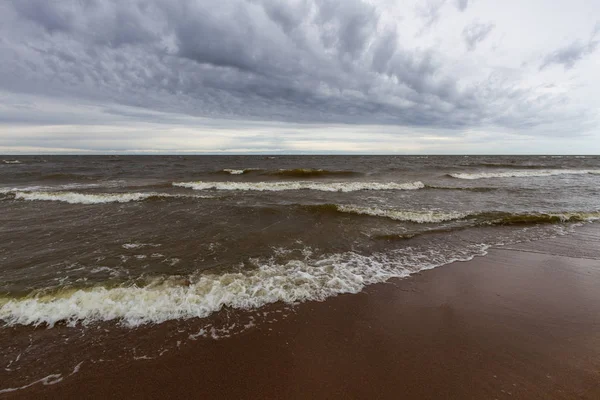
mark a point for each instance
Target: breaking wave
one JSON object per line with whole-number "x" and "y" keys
{"x": 198, "y": 296}
{"x": 481, "y": 218}
{"x": 420, "y": 217}
{"x": 501, "y": 218}
{"x": 504, "y": 165}
{"x": 95, "y": 198}
{"x": 300, "y": 185}
{"x": 11, "y": 162}
{"x": 240, "y": 171}
{"x": 521, "y": 174}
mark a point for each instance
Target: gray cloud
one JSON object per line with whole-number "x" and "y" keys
{"x": 475, "y": 33}
{"x": 461, "y": 4}
{"x": 574, "y": 52}
{"x": 302, "y": 61}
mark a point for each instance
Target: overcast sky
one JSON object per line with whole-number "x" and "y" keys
{"x": 300, "y": 76}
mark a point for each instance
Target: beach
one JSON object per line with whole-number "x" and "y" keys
{"x": 522, "y": 322}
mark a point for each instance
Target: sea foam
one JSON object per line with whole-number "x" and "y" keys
{"x": 524, "y": 173}
{"x": 402, "y": 215}
{"x": 198, "y": 296}
{"x": 93, "y": 198}
{"x": 300, "y": 185}
{"x": 240, "y": 171}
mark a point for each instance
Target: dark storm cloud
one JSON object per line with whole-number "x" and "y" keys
{"x": 574, "y": 52}
{"x": 476, "y": 32}
{"x": 306, "y": 61}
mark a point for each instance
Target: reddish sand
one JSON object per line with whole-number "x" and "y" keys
{"x": 520, "y": 323}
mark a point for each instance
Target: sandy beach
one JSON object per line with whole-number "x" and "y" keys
{"x": 522, "y": 322}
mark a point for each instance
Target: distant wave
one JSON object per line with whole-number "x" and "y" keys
{"x": 65, "y": 176}
{"x": 420, "y": 217}
{"x": 199, "y": 295}
{"x": 521, "y": 174}
{"x": 240, "y": 171}
{"x": 11, "y": 162}
{"x": 311, "y": 173}
{"x": 469, "y": 189}
{"x": 94, "y": 198}
{"x": 504, "y": 165}
{"x": 301, "y": 185}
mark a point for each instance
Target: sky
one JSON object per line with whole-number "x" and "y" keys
{"x": 300, "y": 76}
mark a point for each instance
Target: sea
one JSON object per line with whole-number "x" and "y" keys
{"x": 93, "y": 248}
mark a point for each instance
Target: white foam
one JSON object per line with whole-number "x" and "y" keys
{"x": 201, "y": 295}
{"x": 525, "y": 173}
{"x": 55, "y": 188}
{"x": 11, "y": 161}
{"x": 299, "y": 185}
{"x": 93, "y": 198}
{"x": 46, "y": 381}
{"x": 403, "y": 215}
{"x": 130, "y": 246}
{"x": 239, "y": 171}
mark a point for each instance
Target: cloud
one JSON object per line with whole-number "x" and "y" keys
{"x": 461, "y": 4}
{"x": 295, "y": 62}
{"x": 429, "y": 11}
{"x": 475, "y": 33}
{"x": 574, "y": 52}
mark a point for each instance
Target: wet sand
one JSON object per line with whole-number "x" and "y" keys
{"x": 521, "y": 323}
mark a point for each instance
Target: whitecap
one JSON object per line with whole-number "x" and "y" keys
{"x": 300, "y": 185}
{"x": 420, "y": 217}
{"x": 94, "y": 198}
{"x": 239, "y": 171}
{"x": 524, "y": 173}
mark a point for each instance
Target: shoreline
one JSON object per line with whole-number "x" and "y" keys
{"x": 521, "y": 322}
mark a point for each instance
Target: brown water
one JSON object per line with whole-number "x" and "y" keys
{"x": 111, "y": 244}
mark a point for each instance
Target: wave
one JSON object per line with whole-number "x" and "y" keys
{"x": 11, "y": 162}
{"x": 502, "y": 219}
{"x": 312, "y": 173}
{"x": 481, "y": 218}
{"x": 420, "y": 217}
{"x": 239, "y": 171}
{"x": 198, "y": 296}
{"x": 504, "y": 165}
{"x": 95, "y": 198}
{"x": 65, "y": 176}
{"x": 469, "y": 189}
{"x": 521, "y": 174}
{"x": 300, "y": 185}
